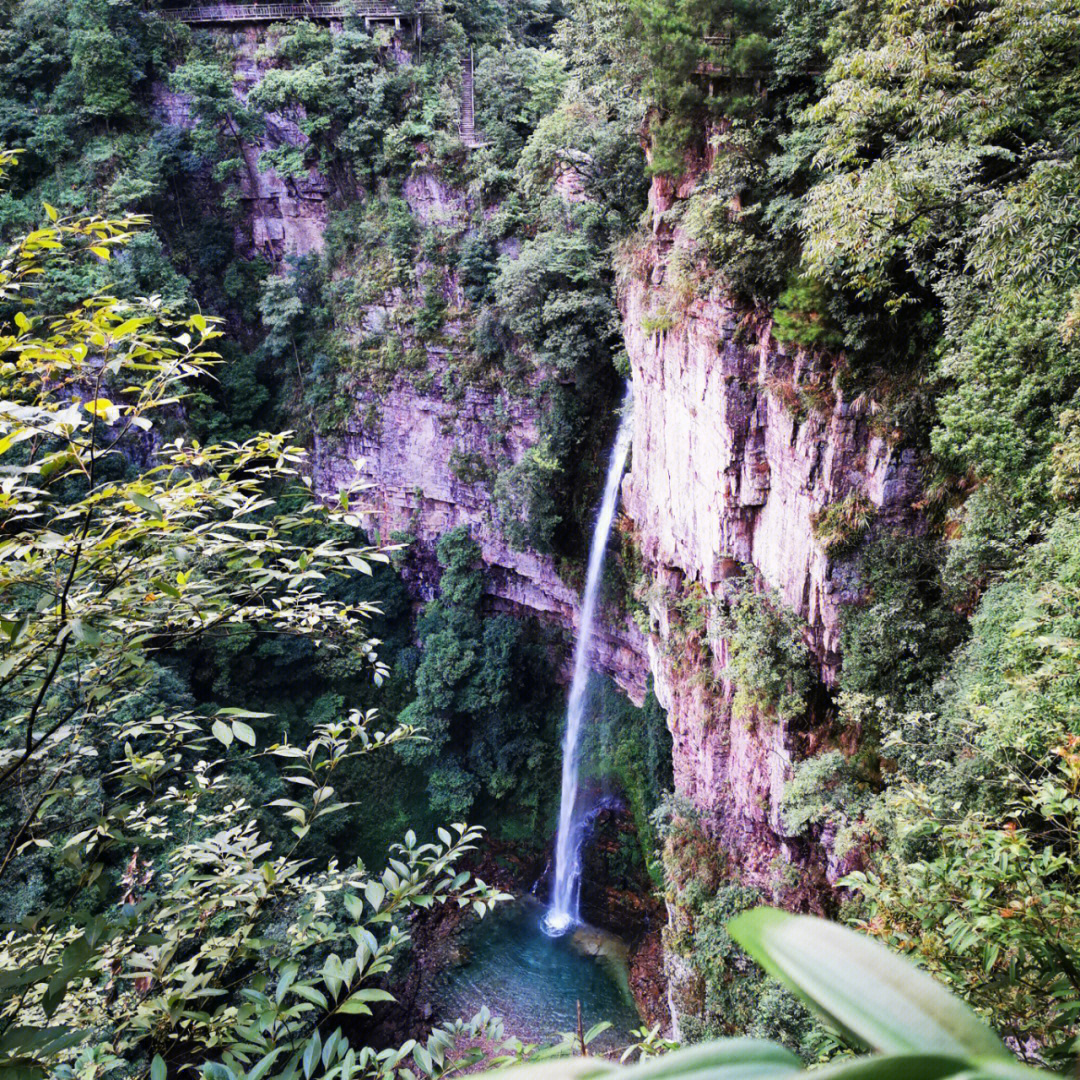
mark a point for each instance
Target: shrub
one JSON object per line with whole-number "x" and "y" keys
{"x": 768, "y": 661}
{"x": 801, "y": 316}
{"x": 897, "y": 638}
{"x": 840, "y": 526}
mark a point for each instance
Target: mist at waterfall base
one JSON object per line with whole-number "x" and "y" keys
{"x": 564, "y": 912}
{"x": 534, "y": 981}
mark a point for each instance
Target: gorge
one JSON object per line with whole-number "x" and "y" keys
{"x": 397, "y": 395}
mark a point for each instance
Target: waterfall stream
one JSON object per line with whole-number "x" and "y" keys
{"x": 563, "y": 912}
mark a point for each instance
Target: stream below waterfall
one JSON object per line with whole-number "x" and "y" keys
{"x": 534, "y": 981}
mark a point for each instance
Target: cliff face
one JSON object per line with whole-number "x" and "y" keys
{"x": 409, "y": 454}
{"x": 729, "y": 470}
{"x": 283, "y": 217}
{"x": 417, "y": 446}
{"x": 738, "y": 444}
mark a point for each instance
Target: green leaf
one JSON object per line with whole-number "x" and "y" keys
{"x": 423, "y": 1059}
{"x": 356, "y": 1003}
{"x": 263, "y": 1066}
{"x": 563, "y": 1069}
{"x": 151, "y": 507}
{"x": 285, "y": 980}
{"x": 222, "y": 732}
{"x": 53, "y": 463}
{"x": 895, "y": 1067}
{"x": 243, "y": 732}
{"x": 312, "y": 1054}
{"x": 871, "y": 995}
{"x": 738, "y": 1059}
{"x": 375, "y": 894}
{"x": 158, "y": 1069}
{"x": 596, "y": 1029}
{"x": 309, "y": 993}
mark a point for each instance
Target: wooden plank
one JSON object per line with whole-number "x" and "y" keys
{"x": 218, "y": 13}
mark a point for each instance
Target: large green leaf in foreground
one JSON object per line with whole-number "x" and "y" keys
{"x": 868, "y": 993}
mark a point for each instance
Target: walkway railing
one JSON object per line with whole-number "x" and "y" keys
{"x": 368, "y": 9}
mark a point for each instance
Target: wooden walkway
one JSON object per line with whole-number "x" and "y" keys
{"x": 371, "y": 10}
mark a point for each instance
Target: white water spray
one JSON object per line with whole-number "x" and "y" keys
{"x": 563, "y": 913}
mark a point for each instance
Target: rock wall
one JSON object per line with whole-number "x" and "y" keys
{"x": 738, "y": 445}
{"x": 283, "y": 216}
{"x": 407, "y": 454}
{"x": 729, "y": 469}
{"x": 407, "y": 439}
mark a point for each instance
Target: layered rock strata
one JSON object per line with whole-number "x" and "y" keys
{"x": 731, "y": 467}
{"x": 408, "y": 454}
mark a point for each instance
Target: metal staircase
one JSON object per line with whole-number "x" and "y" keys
{"x": 467, "y": 124}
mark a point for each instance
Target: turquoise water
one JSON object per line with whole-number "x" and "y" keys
{"x": 534, "y": 981}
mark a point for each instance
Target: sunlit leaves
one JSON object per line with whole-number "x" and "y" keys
{"x": 118, "y": 542}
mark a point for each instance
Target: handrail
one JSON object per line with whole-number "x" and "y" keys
{"x": 378, "y": 9}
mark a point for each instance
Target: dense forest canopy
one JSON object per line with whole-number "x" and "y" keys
{"x": 234, "y": 740}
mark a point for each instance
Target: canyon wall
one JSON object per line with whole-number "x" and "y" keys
{"x": 410, "y": 441}
{"x": 739, "y": 444}
{"x": 282, "y": 216}
{"x": 407, "y": 451}
{"x": 729, "y": 469}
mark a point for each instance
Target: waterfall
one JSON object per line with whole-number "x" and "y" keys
{"x": 563, "y": 913}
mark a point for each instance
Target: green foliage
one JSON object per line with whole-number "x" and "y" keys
{"x": 840, "y": 526}
{"x": 629, "y": 748}
{"x": 734, "y": 998}
{"x": 975, "y": 826}
{"x": 487, "y": 729}
{"x": 991, "y": 904}
{"x": 768, "y": 662}
{"x": 552, "y": 299}
{"x": 897, "y": 638}
{"x": 801, "y": 316}
{"x": 114, "y": 552}
{"x": 832, "y": 794}
{"x": 680, "y": 40}
{"x": 738, "y": 998}
{"x": 872, "y": 997}
{"x": 223, "y": 120}
{"x": 1011, "y": 374}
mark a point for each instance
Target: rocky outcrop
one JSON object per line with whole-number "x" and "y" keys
{"x": 738, "y": 445}
{"x": 284, "y": 216}
{"x": 422, "y": 456}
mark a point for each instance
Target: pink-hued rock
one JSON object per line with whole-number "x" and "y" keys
{"x": 285, "y": 216}
{"x": 722, "y": 471}
{"x": 724, "y": 476}
{"x": 407, "y": 455}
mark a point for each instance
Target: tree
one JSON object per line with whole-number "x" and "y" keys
{"x": 116, "y": 544}
{"x": 224, "y": 124}
{"x": 476, "y": 696}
